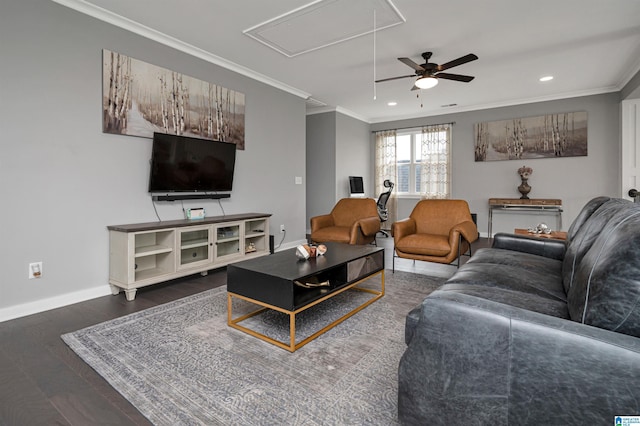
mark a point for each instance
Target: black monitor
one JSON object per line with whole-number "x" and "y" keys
{"x": 356, "y": 186}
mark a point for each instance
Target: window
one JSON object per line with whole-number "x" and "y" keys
{"x": 423, "y": 162}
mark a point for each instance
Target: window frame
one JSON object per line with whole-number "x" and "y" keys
{"x": 415, "y": 152}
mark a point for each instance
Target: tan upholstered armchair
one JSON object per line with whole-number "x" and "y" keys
{"x": 352, "y": 221}
{"x": 436, "y": 231}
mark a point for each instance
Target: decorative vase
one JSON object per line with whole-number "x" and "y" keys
{"x": 524, "y": 189}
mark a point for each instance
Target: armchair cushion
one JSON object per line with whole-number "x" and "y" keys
{"x": 425, "y": 244}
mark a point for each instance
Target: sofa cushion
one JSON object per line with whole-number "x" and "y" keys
{"x": 526, "y": 301}
{"x": 606, "y": 288}
{"x": 543, "y": 283}
{"x": 582, "y": 241}
{"x": 530, "y": 262}
{"x": 586, "y": 212}
{"x": 519, "y": 299}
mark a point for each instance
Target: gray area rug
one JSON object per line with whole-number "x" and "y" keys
{"x": 179, "y": 363}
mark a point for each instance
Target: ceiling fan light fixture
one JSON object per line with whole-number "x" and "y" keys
{"x": 426, "y": 82}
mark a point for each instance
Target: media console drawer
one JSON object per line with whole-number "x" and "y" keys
{"x": 360, "y": 268}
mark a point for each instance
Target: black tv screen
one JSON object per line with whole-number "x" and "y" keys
{"x": 185, "y": 164}
{"x": 356, "y": 185}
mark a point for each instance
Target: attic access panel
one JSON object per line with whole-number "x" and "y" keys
{"x": 323, "y": 23}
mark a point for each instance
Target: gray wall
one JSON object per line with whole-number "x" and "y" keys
{"x": 352, "y": 155}
{"x": 337, "y": 147}
{"x": 575, "y": 180}
{"x": 321, "y": 163}
{"x": 63, "y": 180}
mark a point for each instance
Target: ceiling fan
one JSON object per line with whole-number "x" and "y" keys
{"x": 429, "y": 73}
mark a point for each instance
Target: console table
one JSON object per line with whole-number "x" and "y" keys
{"x": 518, "y": 205}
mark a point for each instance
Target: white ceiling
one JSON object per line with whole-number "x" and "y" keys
{"x": 589, "y": 46}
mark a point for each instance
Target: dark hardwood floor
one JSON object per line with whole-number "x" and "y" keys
{"x": 43, "y": 382}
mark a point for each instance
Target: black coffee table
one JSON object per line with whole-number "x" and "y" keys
{"x": 270, "y": 282}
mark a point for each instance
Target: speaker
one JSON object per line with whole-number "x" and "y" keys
{"x": 271, "y": 244}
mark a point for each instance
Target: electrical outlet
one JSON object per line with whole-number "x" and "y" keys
{"x": 282, "y": 228}
{"x": 35, "y": 270}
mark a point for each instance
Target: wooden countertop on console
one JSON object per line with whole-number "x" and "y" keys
{"x": 525, "y": 202}
{"x": 150, "y": 226}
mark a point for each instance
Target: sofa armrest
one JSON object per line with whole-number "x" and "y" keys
{"x": 319, "y": 222}
{"x": 370, "y": 225}
{"x": 553, "y": 249}
{"x": 475, "y": 361}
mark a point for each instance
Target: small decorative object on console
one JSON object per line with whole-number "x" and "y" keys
{"x": 250, "y": 248}
{"x": 196, "y": 213}
{"x": 541, "y": 228}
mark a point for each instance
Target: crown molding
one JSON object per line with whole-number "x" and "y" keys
{"x": 109, "y": 17}
{"x": 339, "y": 109}
{"x": 446, "y": 111}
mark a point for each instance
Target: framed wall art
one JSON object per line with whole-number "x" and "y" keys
{"x": 139, "y": 99}
{"x": 545, "y": 136}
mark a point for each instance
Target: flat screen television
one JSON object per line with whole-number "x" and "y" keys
{"x": 185, "y": 164}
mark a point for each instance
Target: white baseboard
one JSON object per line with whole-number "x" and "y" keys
{"x": 290, "y": 245}
{"x": 38, "y": 306}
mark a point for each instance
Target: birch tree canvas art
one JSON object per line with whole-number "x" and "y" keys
{"x": 141, "y": 98}
{"x": 545, "y": 136}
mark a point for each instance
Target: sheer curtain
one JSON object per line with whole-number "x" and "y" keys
{"x": 386, "y": 169}
{"x": 435, "y": 163}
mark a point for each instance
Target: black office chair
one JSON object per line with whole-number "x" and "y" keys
{"x": 383, "y": 213}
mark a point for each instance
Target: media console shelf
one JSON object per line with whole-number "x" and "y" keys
{"x": 142, "y": 254}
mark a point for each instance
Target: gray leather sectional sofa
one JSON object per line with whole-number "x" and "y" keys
{"x": 532, "y": 331}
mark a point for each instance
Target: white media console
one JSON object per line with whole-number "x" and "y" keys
{"x": 142, "y": 254}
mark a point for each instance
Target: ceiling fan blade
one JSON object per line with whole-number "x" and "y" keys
{"x": 394, "y": 78}
{"x": 456, "y": 77}
{"x": 412, "y": 64}
{"x": 462, "y": 60}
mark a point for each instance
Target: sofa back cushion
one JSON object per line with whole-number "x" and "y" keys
{"x": 437, "y": 217}
{"x": 586, "y": 212}
{"x": 606, "y": 285}
{"x": 585, "y": 229}
{"x": 348, "y": 211}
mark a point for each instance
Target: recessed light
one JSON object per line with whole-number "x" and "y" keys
{"x": 546, "y": 78}
{"x": 392, "y": 103}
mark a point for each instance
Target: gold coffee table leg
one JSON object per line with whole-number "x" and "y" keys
{"x": 292, "y": 346}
